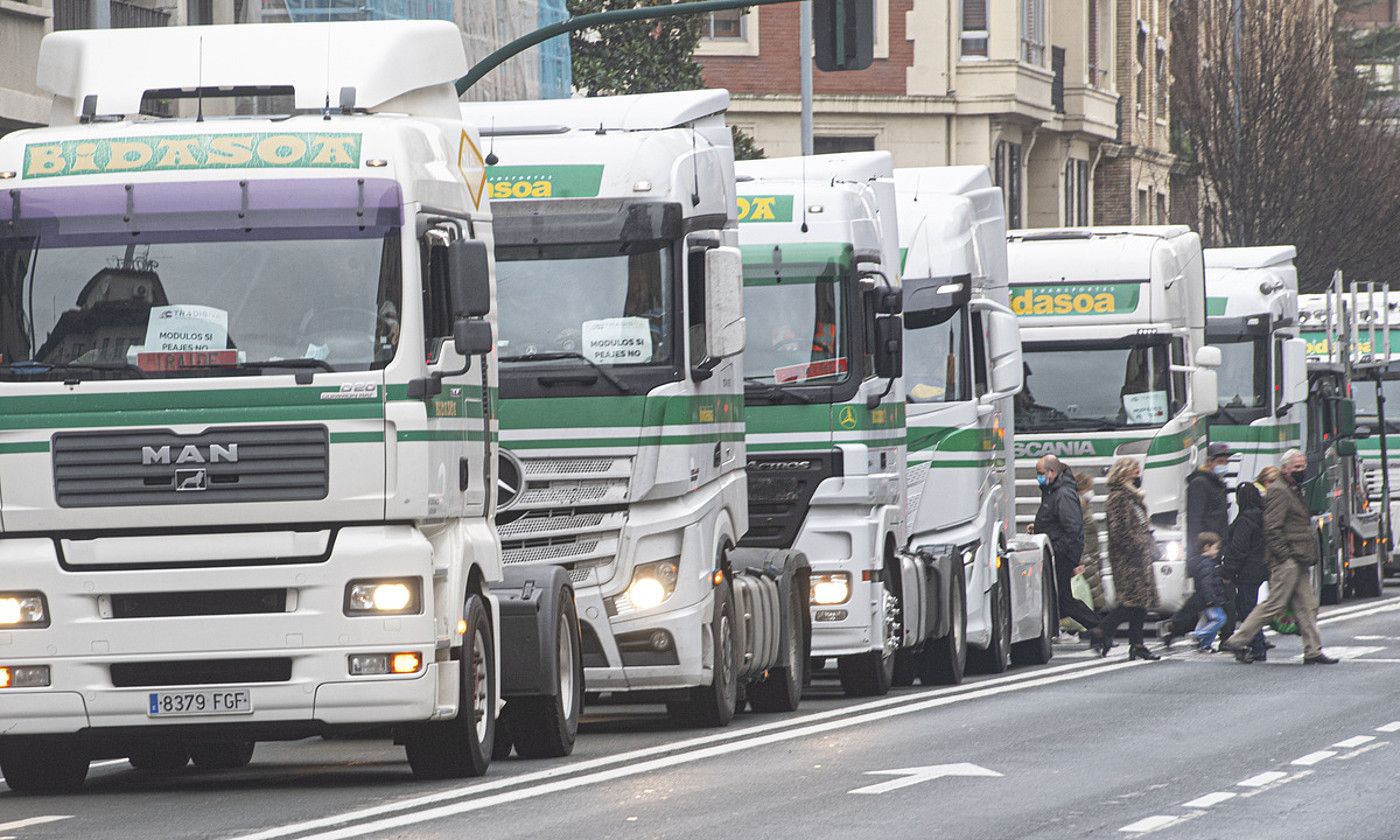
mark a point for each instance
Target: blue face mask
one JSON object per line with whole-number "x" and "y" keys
{"x": 1042, "y": 479}
{"x": 1220, "y": 470}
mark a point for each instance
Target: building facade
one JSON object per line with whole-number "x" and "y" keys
{"x": 1025, "y": 87}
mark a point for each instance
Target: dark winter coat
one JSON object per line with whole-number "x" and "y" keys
{"x": 1206, "y": 575}
{"x": 1061, "y": 519}
{"x": 1244, "y": 551}
{"x": 1207, "y": 507}
{"x": 1131, "y": 548}
{"x": 1092, "y": 558}
{"x": 1288, "y": 528}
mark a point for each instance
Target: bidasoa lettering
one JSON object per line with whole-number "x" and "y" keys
{"x": 302, "y": 150}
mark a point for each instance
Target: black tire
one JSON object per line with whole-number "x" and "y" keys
{"x": 504, "y": 742}
{"x": 167, "y": 757}
{"x": 1038, "y": 651}
{"x": 545, "y": 727}
{"x": 781, "y": 690}
{"x": 943, "y": 661}
{"x": 1367, "y": 582}
{"x": 44, "y": 767}
{"x": 712, "y": 705}
{"x": 1330, "y": 593}
{"x": 461, "y": 747}
{"x": 996, "y": 658}
{"x": 906, "y": 668}
{"x": 221, "y": 755}
{"x": 870, "y": 674}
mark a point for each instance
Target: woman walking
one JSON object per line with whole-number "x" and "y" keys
{"x": 1130, "y": 554}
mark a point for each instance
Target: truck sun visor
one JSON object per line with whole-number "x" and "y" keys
{"x": 257, "y": 208}
{"x": 583, "y": 221}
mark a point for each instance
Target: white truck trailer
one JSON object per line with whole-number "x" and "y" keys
{"x": 824, "y": 402}
{"x": 247, "y": 450}
{"x": 622, "y": 407}
{"x": 1113, "y": 330}
{"x": 1252, "y": 318}
{"x": 993, "y": 590}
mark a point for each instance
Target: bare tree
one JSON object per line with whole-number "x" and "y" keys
{"x": 1290, "y": 146}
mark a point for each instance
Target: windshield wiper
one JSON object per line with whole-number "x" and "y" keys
{"x": 1078, "y": 424}
{"x": 773, "y": 391}
{"x": 41, "y": 368}
{"x": 558, "y": 355}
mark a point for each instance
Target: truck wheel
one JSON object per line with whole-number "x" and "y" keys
{"x": 870, "y": 674}
{"x": 1330, "y": 593}
{"x": 943, "y": 661}
{"x": 781, "y": 690}
{"x": 906, "y": 668}
{"x": 461, "y": 747}
{"x": 44, "y": 767}
{"x": 713, "y": 705}
{"x": 1367, "y": 582}
{"x": 1038, "y": 651}
{"x": 161, "y": 757}
{"x": 503, "y": 742}
{"x": 221, "y": 755}
{"x": 997, "y": 656}
{"x": 545, "y": 727}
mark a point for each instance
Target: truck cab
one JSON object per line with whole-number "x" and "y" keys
{"x": 1113, "y": 335}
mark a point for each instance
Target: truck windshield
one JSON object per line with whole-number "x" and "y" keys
{"x": 1098, "y": 386}
{"x": 1364, "y": 392}
{"x": 206, "y": 303}
{"x": 796, "y": 330}
{"x": 611, "y": 308}
{"x": 1243, "y": 372}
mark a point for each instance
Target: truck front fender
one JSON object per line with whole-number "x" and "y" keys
{"x": 530, "y": 601}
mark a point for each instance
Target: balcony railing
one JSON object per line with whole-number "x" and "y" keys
{"x": 333, "y": 10}
{"x": 77, "y": 14}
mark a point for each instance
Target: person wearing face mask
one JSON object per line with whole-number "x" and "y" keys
{"x": 1290, "y": 550}
{"x": 1207, "y": 511}
{"x": 1061, "y": 518}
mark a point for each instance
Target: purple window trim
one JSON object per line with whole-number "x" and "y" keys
{"x": 281, "y": 208}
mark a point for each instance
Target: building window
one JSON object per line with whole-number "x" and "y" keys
{"x": 1033, "y": 32}
{"x": 1161, "y": 80}
{"x": 730, "y": 32}
{"x": 1161, "y": 208}
{"x": 1008, "y": 177}
{"x": 727, "y": 25}
{"x": 1098, "y": 75}
{"x": 1140, "y": 68}
{"x": 974, "y": 29}
{"x": 830, "y": 145}
{"x": 1076, "y": 193}
{"x": 1144, "y": 207}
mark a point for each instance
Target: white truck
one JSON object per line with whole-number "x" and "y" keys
{"x": 622, "y": 407}
{"x": 1113, "y": 334}
{"x": 1252, "y": 318}
{"x": 824, "y": 403}
{"x": 247, "y": 447}
{"x": 993, "y": 591}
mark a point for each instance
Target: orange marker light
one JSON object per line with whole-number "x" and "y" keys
{"x": 718, "y": 577}
{"x": 4, "y": 677}
{"x": 405, "y": 663}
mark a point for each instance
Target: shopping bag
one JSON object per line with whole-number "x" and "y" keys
{"x": 1287, "y": 624}
{"x": 1080, "y": 591}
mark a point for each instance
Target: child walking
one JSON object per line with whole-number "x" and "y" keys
{"x": 1206, "y": 574}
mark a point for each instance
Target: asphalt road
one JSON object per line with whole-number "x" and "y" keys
{"x": 1191, "y": 747}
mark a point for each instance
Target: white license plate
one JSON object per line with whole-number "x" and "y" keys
{"x": 208, "y": 701}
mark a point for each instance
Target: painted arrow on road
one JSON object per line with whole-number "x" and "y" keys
{"x": 915, "y": 775}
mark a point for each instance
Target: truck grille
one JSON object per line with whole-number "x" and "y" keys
{"x": 221, "y": 465}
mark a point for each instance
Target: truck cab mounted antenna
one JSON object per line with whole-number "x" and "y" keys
{"x": 694, "y": 169}
{"x": 199, "y": 85}
{"x": 491, "y": 159}
{"x": 804, "y": 194}
{"x": 326, "y": 111}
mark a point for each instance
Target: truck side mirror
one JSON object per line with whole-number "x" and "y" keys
{"x": 1346, "y": 448}
{"x": 1295, "y": 372}
{"x": 1208, "y": 357}
{"x": 1004, "y": 348}
{"x": 1205, "y": 394}
{"x": 724, "y": 302}
{"x": 472, "y": 338}
{"x": 889, "y": 346}
{"x": 1346, "y": 418}
{"x": 469, "y": 278}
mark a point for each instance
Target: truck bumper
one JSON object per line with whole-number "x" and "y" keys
{"x": 619, "y": 656}
{"x": 846, "y": 540}
{"x": 302, "y": 650}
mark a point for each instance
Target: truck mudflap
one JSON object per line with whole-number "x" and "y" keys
{"x": 764, "y": 580}
{"x": 530, "y": 600}
{"x": 926, "y": 576}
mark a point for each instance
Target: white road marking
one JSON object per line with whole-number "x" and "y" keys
{"x": 1314, "y": 757}
{"x": 1361, "y": 611}
{"x": 418, "y": 816}
{"x": 1150, "y": 824}
{"x": 1393, "y": 726}
{"x": 915, "y": 775}
{"x": 1352, "y": 651}
{"x": 33, "y": 821}
{"x": 1355, "y": 741}
{"x": 1210, "y": 799}
{"x": 1262, "y": 779}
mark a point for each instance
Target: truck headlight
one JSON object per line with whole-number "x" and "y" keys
{"x": 396, "y": 596}
{"x": 1172, "y": 552}
{"x": 831, "y": 588}
{"x": 23, "y": 609}
{"x": 652, "y": 584}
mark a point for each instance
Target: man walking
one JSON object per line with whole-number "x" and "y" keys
{"x": 1061, "y": 519}
{"x": 1207, "y": 512}
{"x": 1290, "y": 551}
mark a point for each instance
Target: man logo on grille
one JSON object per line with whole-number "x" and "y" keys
{"x": 510, "y": 480}
{"x": 186, "y": 480}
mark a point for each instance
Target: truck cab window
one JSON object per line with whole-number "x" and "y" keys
{"x": 935, "y": 355}
{"x": 979, "y": 356}
{"x": 437, "y": 317}
{"x": 695, "y": 305}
